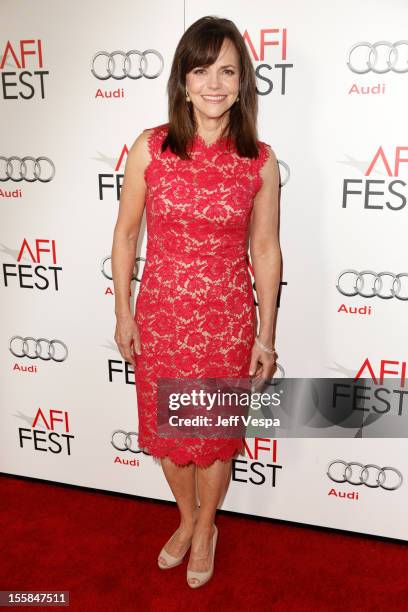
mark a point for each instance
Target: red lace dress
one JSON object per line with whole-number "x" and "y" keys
{"x": 195, "y": 307}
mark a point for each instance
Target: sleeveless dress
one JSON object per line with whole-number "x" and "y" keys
{"x": 195, "y": 307}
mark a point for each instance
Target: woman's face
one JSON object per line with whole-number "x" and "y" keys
{"x": 214, "y": 89}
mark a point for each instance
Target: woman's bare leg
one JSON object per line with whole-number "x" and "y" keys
{"x": 182, "y": 482}
{"x": 212, "y": 483}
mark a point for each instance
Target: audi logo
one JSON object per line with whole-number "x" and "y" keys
{"x": 282, "y": 182}
{"x": 108, "y": 273}
{"x": 140, "y": 63}
{"x": 375, "y": 287}
{"x": 126, "y": 441}
{"x": 18, "y": 172}
{"x": 19, "y": 347}
{"x": 366, "y": 472}
{"x": 390, "y": 57}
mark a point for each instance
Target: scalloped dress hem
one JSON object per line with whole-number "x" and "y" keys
{"x": 203, "y": 460}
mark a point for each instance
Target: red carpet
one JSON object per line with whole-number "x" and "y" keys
{"x": 103, "y": 548}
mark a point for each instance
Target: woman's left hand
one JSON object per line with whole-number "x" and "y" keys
{"x": 262, "y": 365}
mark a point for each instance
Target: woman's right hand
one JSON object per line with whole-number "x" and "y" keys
{"x": 127, "y": 338}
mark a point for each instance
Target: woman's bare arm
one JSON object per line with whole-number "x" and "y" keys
{"x": 125, "y": 237}
{"x": 265, "y": 248}
{"x": 127, "y": 228}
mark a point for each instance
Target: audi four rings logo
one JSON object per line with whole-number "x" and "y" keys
{"x": 126, "y": 440}
{"x": 389, "y": 57}
{"x": 41, "y": 348}
{"x": 14, "y": 171}
{"x": 108, "y": 273}
{"x": 282, "y": 182}
{"x": 134, "y": 64}
{"x": 380, "y": 475}
{"x": 375, "y": 286}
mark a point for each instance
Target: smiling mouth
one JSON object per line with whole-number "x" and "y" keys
{"x": 214, "y": 99}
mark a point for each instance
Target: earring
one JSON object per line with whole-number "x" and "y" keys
{"x": 187, "y": 97}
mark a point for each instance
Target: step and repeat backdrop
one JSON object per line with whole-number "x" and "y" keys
{"x": 77, "y": 88}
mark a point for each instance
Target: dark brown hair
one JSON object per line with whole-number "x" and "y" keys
{"x": 200, "y": 46}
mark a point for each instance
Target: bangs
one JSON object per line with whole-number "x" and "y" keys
{"x": 206, "y": 49}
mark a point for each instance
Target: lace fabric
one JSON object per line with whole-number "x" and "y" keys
{"x": 195, "y": 307}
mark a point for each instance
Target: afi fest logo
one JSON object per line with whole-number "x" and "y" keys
{"x": 261, "y": 465}
{"x": 112, "y": 181}
{"x": 42, "y": 273}
{"x": 368, "y": 393}
{"x": 378, "y": 194}
{"x": 22, "y": 73}
{"x": 270, "y": 54}
{"x": 49, "y": 432}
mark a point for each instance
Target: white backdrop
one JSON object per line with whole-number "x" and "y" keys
{"x": 326, "y": 124}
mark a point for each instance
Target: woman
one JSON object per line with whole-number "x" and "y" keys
{"x": 208, "y": 185}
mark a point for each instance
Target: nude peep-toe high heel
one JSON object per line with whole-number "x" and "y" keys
{"x": 203, "y": 577}
{"x": 170, "y": 560}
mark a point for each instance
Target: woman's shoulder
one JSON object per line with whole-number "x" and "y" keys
{"x": 153, "y": 137}
{"x": 148, "y": 141}
{"x": 160, "y": 129}
{"x": 265, "y": 152}
{"x": 264, "y": 146}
